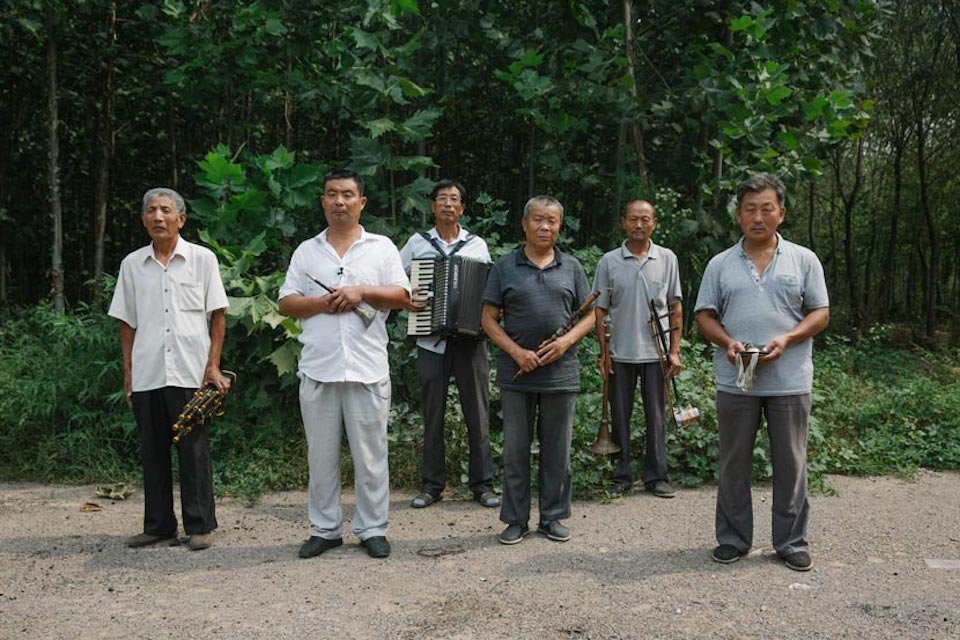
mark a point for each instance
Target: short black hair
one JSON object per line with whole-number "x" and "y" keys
{"x": 343, "y": 174}
{"x": 761, "y": 182}
{"x": 443, "y": 184}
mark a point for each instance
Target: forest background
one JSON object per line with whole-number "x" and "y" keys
{"x": 242, "y": 106}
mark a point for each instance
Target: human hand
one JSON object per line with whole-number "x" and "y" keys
{"x": 673, "y": 365}
{"x": 345, "y": 298}
{"x": 214, "y": 375}
{"x": 775, "y": 348}
{"x": 526, "y": 359}
{"x": 733, "y": 349}
{"x": 418, "y": 299}
{"x": 553, "y": 350}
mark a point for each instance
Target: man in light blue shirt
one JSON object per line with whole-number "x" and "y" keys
{"x": 768, "y": 294}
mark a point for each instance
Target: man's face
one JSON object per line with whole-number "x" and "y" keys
{"x": 542, "y": 226}
{"x": 342, "y": 202}
{"x": 760, "y": 214}
{"x": 639, "y": 221}
{"x": 161, "y": 218}
{"x": 447, "y": 205}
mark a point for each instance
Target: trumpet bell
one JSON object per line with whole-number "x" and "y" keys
{"x": 603, "y": 445}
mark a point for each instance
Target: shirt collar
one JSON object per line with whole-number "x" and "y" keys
{"x": 653, "y": 251}
{"x": 522, "y": 258}
{"x": 743, "y": 254}
{"x": 182, "y": 249}
{"x": 322, "y": 236}
{"x": 460, "y": 236}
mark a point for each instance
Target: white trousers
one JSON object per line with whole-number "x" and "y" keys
{"x": 329, "y": 408}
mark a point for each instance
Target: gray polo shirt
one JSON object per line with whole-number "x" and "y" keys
{"x": 755, "y": 308}
{"x": 536, "y": 303}
{"x": 633, "y": 282}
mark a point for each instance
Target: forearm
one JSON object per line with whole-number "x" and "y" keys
{"x": 581, "y": 329}
{"x": 489, "y": 320}
{"x": 218, "y": 330}
{"x": 812, "y": 324}
{"x": 297, "y": 306}
{"x": 127, "y": 334}
{"x": 676, "y": 327}
{"x": 712, "y": 330}
{"x": 386, "y": 296}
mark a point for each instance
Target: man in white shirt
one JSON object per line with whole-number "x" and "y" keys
{"x": 333, "y": 279}
{"x": 171, "y": 306}
{"x": 465, "y": 358}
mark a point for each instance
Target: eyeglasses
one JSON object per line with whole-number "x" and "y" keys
{"x": 446, "y": 198}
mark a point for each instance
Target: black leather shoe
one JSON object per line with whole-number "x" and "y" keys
{"x": 661, "y": 489}
{"x": 798, "y": 561}
{"x": 618, "y": 488}
{"x": 317, "y": 545}
{"x": 554, "y": 531}
{"x": 514, "y": 534}
{"x": 377, "y": 546}
{"x": 487, "y": 499}
{"x": 726, "y": 554}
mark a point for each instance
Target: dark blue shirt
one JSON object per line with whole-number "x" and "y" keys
{"x": 536, "y": 302}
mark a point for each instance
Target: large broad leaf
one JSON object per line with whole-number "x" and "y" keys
{"x": 380, "y": 126}
{"x": 420, "y": 124}
{"x": 284, "y": 358}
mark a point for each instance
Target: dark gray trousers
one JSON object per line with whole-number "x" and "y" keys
{"x": 550, "y": 417}
{"x": 623, "y": 384}
{"x": 467, "y": 361}
{"x": 738, "y": 419}
{"x": 155, "y": 412}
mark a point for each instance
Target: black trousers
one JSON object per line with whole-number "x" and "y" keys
{"x": 466, "y": 361}
{"x": 155, "y": 412}
{"x": 623, "y": 385}
{"x": 548, "y": 417}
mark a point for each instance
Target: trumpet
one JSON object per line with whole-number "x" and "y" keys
{"x": 604, "y": 445}
{"x": 207, "y": 402}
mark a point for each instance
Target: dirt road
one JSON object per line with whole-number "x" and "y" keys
{"x": 638, "y": 567}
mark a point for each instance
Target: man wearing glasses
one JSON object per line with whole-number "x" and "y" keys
{"x": 465, "y": 358}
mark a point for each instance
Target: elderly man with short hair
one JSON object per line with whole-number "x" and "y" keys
{"x": 761, "y": 302}
{"x": 536, "y": 290}
{"x": 171, "y": 304}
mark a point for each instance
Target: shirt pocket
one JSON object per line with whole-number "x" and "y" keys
{"x": 787, "y": 292}
{"x": 189, "y": 296}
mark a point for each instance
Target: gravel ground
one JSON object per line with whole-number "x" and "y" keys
{"x": 638, "y": 567}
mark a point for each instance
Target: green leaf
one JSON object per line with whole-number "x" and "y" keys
{"x": 399, "y": 7}
{"x": 284, "y": 358}
{"x": 365, "y": 40}
{"x": 814, "y": 109}
{"x": 380, "y": 126}
{"x": 741, "y": 24}
{"x": 778, "y": 94}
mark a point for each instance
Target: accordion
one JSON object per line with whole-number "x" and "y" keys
{"x": 454, "y": 289}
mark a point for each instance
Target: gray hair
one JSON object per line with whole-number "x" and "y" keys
{"x": 163, "y": 192}
{"x": 544, "y": 202}
{"x": 762, "y": 182}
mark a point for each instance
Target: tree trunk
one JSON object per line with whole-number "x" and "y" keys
{"x": 172, "y": 135}
{"x": 849, "y": 204}
{"x": 53, "y": 164}
{"x": 930, "y": 303}
{"x": 106, "y": 141}
{"x": 887, "y": 287}
{"x": 811, "y": 207}
{"x": 636, "y": 130}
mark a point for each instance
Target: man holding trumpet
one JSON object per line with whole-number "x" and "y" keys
{"x": 634, "y": 274}
{"x": 536, "y": 290}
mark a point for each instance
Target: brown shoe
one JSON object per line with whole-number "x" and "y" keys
{"x": 200, "y": 541}
{"x": 145, "y": 540}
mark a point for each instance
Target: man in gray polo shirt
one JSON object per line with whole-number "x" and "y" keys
{"x": 536, "y": 289}
{"x": 767, "y": 293}
{"x": 628, "y": 278}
